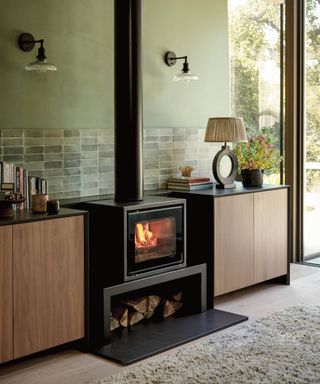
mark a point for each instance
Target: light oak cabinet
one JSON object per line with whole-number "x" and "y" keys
{"x": 270, "y": 228}
{"x": 250, "y": 239}
{"x": 233, "y": 243}
{"x": 45, "y": 270}
{"x": 6, "y": 294}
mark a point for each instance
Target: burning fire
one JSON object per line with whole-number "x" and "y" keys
{"x": 144, "y": 238}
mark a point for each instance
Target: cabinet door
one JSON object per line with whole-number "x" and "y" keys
{"x": 48, "y": 265}
{"x": 270, "y": 234}
{"x": 233, "y": 243}
{"x": 6, "y": 310}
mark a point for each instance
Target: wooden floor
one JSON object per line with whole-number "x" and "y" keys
{"x": 73, "y": 367}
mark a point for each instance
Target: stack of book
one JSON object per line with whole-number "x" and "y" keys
{"x": 189, "y": 183}
{"x": 22, "y": 182}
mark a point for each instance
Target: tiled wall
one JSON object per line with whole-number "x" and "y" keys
{"x": 80, "y": 162}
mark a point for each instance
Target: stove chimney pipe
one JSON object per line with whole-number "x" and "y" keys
{"x": 128, "y": 101}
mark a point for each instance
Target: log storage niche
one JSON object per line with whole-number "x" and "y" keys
{"x": 131, "y": 311}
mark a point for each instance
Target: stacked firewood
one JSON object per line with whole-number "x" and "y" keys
{"x": 134, "y": 310}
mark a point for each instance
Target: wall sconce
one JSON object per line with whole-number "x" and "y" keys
{"x": 170, "y": 59}
{"x": 26, "y": 43}
{"x": 225, "y": 129}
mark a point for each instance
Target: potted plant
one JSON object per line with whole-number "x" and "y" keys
{"x": 254, "y": 157}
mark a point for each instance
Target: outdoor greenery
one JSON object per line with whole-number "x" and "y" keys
{"x": 255, "y": 68}
{"x": 312, "y": 134}
{"x": 255, "y": 75}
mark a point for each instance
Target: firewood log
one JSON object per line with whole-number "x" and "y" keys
{"x": 138, "y": 304}
{"x": 152, "y": 302}
{"x": 177, "y": 305}
{"x": 120, "y": 313}
{"x": 168, "y": 308}
{"x": 135, "y": 317}
{"x": 143, "y": 304}
{"x": 177, "y": 296}
{"x": 114, "y": 323}
{"x": 148, "y": 315}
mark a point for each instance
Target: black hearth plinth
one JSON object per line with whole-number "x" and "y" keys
{"x": 146, "y": 340}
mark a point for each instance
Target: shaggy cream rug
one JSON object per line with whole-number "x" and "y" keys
{"x": 281, "y": 348}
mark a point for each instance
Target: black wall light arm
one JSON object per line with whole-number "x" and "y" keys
{"x": 171, "y": 58}
{"x": 27, "y": 42}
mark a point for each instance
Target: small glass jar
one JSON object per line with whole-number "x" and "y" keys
{"x": 39, "y": 203}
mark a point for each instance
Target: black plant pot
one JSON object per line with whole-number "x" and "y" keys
{"x": 252, "y": 178}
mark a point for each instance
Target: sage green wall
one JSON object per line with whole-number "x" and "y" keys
{"x": 78, "y": 38}
{"x": 198, "y": 29}
{"x": 79, "y": 41}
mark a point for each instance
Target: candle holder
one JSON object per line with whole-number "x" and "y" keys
{"x": 6, "y": 209}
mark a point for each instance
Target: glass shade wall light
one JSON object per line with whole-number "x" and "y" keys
{"x": 171, "y": 58}
{"x": 26, "y": 43}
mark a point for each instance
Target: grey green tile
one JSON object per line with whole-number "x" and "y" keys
{"x": 12, "y": 142}
{"x": 13, "y": 150}
{"x": 12, "y": 133}
{"x": 71, "y": 171}
{"x": 36, "y": 149}
{"x": 89, "y": 147}
{"x": 71, "y": 163}
{"x": 71, "y": 132}
{"x": 53, "y": 172}
{"x": 33, "y": 141}
{"x": 53, "y": 149}
{"x": 52, "y": 164}
{"x": 71, "y": 156}
{"x": 13, "y": 158}
{"x": 34, "y": 133}
{"x": 53, "y": 133}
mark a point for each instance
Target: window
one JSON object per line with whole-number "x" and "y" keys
{"x": 311, "y": 168}
{"x": 256, "y": 55}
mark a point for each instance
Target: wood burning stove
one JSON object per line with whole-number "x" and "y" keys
{"x": 131, "y": 241}
{"x": 155, "y": 240}
{"x": 147, "y": 237}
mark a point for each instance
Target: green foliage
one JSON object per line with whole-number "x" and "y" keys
{"x": 257, "y": 153}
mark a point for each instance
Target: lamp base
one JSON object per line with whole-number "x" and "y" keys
{"x": 226, "y": 186}
{"x": 222, "y": 181}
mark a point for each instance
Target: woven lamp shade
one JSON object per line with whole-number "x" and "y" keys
{"x": 225, "y": 129}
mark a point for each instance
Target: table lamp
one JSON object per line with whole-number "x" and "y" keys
{"x": 223, "y": 130}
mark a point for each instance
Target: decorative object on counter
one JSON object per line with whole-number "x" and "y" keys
{"x": 252, "y": 177}
{"x": 225, "y": 129}
{"x": 171, "y": 58}
{"x": 189, "y": 183}
{"x": 26, "y": 43}
{"x": 39, "y": 203}
{"x": 186, "y": 170}
{"x": 254, "y": 157}
{"x": 53, "y": 207}
{"x": 6, "y": 203}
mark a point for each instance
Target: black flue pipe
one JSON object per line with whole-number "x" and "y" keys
{"x": 128, "y": 101}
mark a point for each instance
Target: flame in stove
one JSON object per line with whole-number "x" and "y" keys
{"x": 144, "y": 238}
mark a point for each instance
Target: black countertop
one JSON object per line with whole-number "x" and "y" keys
{"x": 214, "y": 192}
{"x": 27, "y": 216}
